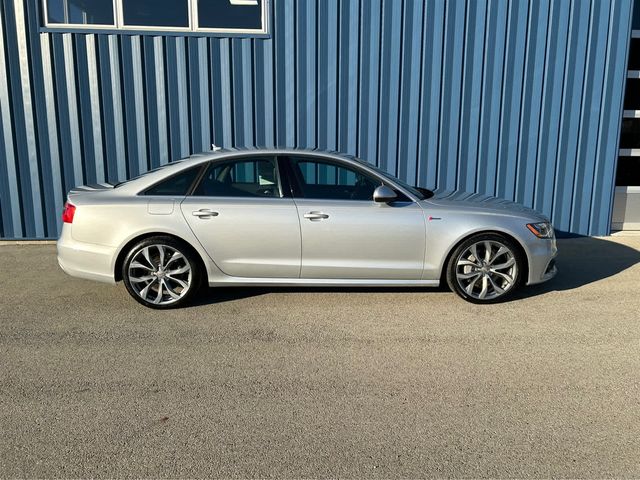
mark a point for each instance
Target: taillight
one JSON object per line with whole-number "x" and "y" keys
{"x": 68, "y": 212}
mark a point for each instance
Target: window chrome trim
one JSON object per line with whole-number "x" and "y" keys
{"x": 119, "y": 26}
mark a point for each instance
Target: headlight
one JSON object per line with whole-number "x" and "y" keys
{"x": 541, "y": 230}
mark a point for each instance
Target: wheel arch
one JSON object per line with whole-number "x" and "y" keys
{"x": 512, "y": 238}
{"x": 122, "y": 254}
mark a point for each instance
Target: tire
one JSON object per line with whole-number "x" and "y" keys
{"x": 476, "y": 278}
{"x": 162, "y": 272}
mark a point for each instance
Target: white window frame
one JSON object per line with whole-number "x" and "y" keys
{"x": 193, "y": 27}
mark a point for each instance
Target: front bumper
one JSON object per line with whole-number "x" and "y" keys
{"x": 85, "y": 260}
{"x": 542, "y": 264}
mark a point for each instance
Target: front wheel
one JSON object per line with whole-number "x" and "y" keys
{"x": 161, "y": 272}
{"x": 485, "y": 268}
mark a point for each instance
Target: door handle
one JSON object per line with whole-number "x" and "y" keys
{"x": 204, "y": 212}
{"x": 316, "y": 216}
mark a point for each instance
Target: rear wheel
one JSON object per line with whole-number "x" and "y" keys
{"x": 486, "y": 268}
{"x": 161, "y": 272}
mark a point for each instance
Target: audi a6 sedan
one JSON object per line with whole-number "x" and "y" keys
{"x": 296, "y": 218}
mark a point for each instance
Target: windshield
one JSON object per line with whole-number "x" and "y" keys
{"x": 413, "y": 190}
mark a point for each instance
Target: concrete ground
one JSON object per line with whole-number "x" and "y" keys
{"x": 323, "y": 383}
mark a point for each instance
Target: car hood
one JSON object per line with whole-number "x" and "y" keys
{"x": 458, "y": 199}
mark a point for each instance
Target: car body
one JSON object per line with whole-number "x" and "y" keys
{"x": 297, "y": 217}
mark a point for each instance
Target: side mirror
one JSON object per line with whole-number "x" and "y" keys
{"x": 384, "y": 194}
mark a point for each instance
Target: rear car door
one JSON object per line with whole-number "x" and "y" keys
{"x": 345, "y": 234}
{"x": 242, "y": 219}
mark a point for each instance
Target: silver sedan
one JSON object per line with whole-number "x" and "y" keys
{"x": 296, "y": 218}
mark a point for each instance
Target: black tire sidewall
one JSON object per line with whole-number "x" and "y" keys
{"x": 452, "y": 281}
{"x": 184, "y": 249}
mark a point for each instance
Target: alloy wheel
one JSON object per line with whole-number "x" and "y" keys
{"x": 160, "y": 274}
{"x": 486, "y": 270}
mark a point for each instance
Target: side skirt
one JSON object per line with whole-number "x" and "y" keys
{"x": 320, "y": 282}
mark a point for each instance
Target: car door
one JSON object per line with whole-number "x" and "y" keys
{"x": 345, "y": 234}
{"x": 244, "y": 222}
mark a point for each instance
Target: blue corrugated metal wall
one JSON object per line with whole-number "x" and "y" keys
{"x": 513, "y": 98}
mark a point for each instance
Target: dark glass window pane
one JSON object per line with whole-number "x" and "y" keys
{"x": 80, "y": 12}
{"x": 241, "y": 14}
{"x": 634, "y": 53}
{"x": 632, "y": 94}
{"x": 635, "y": 19}
{"x": 630, "y": 133}
{"x": 326, "y": 180}
{"x": 178, "y": 185}
{"x": 628, "y": 173}
{"x": 256, "y": 177}
{"x": 156, "y": 13}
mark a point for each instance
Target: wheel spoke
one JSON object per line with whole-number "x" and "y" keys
{"x": 178, "y": 281}
{"x": 474, "y": 252}
{"x": 487, "y": 251}
{"x": 174, "y": 257}
{"x": 501, "y": 251}
{"x": 495, "y": 286}
{"x": 504, "y": 265}
{"x": 467, "y": 276}
{"x": 145, "y": 290}
{"x": 464, "y": 262}
{"x": 159, "y": 295}
{"x": 161, "y": 254}
{"x": 485, "y": 287}
{"x": 472, "y": 283}
{"x": 178, "y": 271}
{"x": 141, "y": 279}
{"x": 503, "y": 275}
{"x": 170, "y": 291}
{"x": 135, "y": 264}
{"x": 145, "y": 253}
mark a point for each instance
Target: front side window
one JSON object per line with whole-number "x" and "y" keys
{"x": 224, "y": 16}
{"x": 255, "y": 177}
{"x": 327, "y": 180}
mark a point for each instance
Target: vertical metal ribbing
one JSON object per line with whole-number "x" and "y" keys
{"x": 370, "y": 68}
{"x": 410, "y": 92}
{"x": 517, "y": 98}
{"x": 9, "y": 190}
{"x": 33, "y": 213}
{"x": 96, "y": 115}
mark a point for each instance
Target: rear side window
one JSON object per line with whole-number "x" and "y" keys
{"x": 254, "y": 177}
{"x": 175, "y": 186}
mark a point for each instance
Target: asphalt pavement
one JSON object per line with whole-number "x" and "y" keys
{"x": 323, "y": 382}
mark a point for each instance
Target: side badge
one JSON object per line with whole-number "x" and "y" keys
{"x": 433, "y": 218}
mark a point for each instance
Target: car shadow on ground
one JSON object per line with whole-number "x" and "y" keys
{"x": 584, "y": 260}
{"x": 580, "y": 261}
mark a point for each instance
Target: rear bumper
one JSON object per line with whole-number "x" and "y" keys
{"x": 85, "y": 260}
{"x": 542, "y": 265}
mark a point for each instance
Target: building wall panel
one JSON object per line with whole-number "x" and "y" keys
{"x": 507, "y": 97}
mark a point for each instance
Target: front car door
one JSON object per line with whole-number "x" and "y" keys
{"x": 345, "y": 234}
{"x": 242, "y": 219}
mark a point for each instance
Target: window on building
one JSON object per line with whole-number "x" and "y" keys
{"x": 155, "y": 13}
{"x": 223, "y": 16}
{"x": 80, "y": 12}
